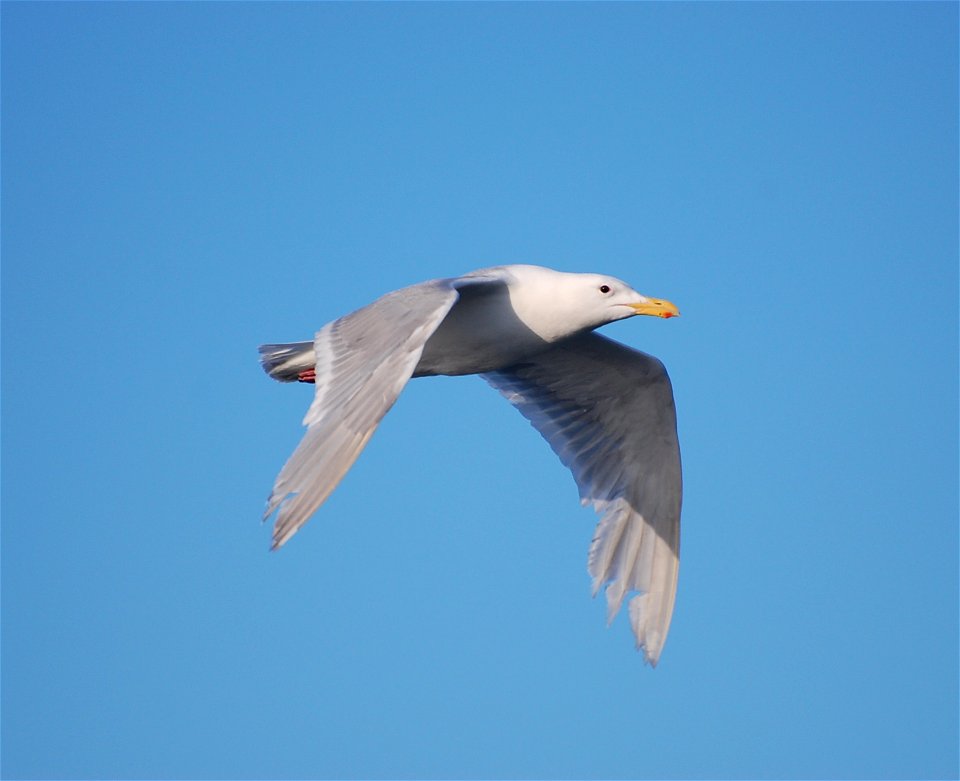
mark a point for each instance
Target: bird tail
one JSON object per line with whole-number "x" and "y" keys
{"x": 285, "y": 362}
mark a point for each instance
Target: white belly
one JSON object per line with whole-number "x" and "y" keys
{"x": 480, "y": 334}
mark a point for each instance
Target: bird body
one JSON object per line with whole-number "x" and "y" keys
{"x": 605, "y": 409}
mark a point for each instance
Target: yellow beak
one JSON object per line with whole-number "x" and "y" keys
{"x": 656, "y": 307}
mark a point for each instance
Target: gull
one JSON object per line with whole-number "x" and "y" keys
{"x": 606, "y": 409}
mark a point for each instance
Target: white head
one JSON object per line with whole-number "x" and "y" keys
{"x": 556, "y": 304}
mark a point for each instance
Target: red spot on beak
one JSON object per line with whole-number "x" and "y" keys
{"x": 667, "y": 315}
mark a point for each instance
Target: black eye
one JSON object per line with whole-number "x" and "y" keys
{"x": 604, "y": 288}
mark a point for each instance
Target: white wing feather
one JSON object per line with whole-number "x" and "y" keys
{"x": 608, "y": 413}
{"x": 363, "y": 361}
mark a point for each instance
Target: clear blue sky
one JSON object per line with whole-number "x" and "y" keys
{"x": 182, "y": 182}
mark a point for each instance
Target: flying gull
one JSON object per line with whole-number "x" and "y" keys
{"x": 606, "y": 410}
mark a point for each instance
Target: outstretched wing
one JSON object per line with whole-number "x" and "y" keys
{"x": 608, "y": 413}
{"x": 363, "y": 360}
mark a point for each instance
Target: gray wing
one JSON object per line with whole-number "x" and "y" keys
{"x": 608, "y": 413}
{"x": 363, "y": 360}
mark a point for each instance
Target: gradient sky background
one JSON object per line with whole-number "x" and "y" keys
{"x": 182, "y": 182}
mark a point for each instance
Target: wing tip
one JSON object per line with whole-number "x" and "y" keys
{"x": 648, "y": 639}
{"x": 648, "y": 658}
{"x": 283, "y": 528}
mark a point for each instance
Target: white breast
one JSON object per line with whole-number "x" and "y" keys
{"x": 481, "y": 333}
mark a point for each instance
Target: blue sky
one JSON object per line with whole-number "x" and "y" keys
{"x": 182, "y": 182}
